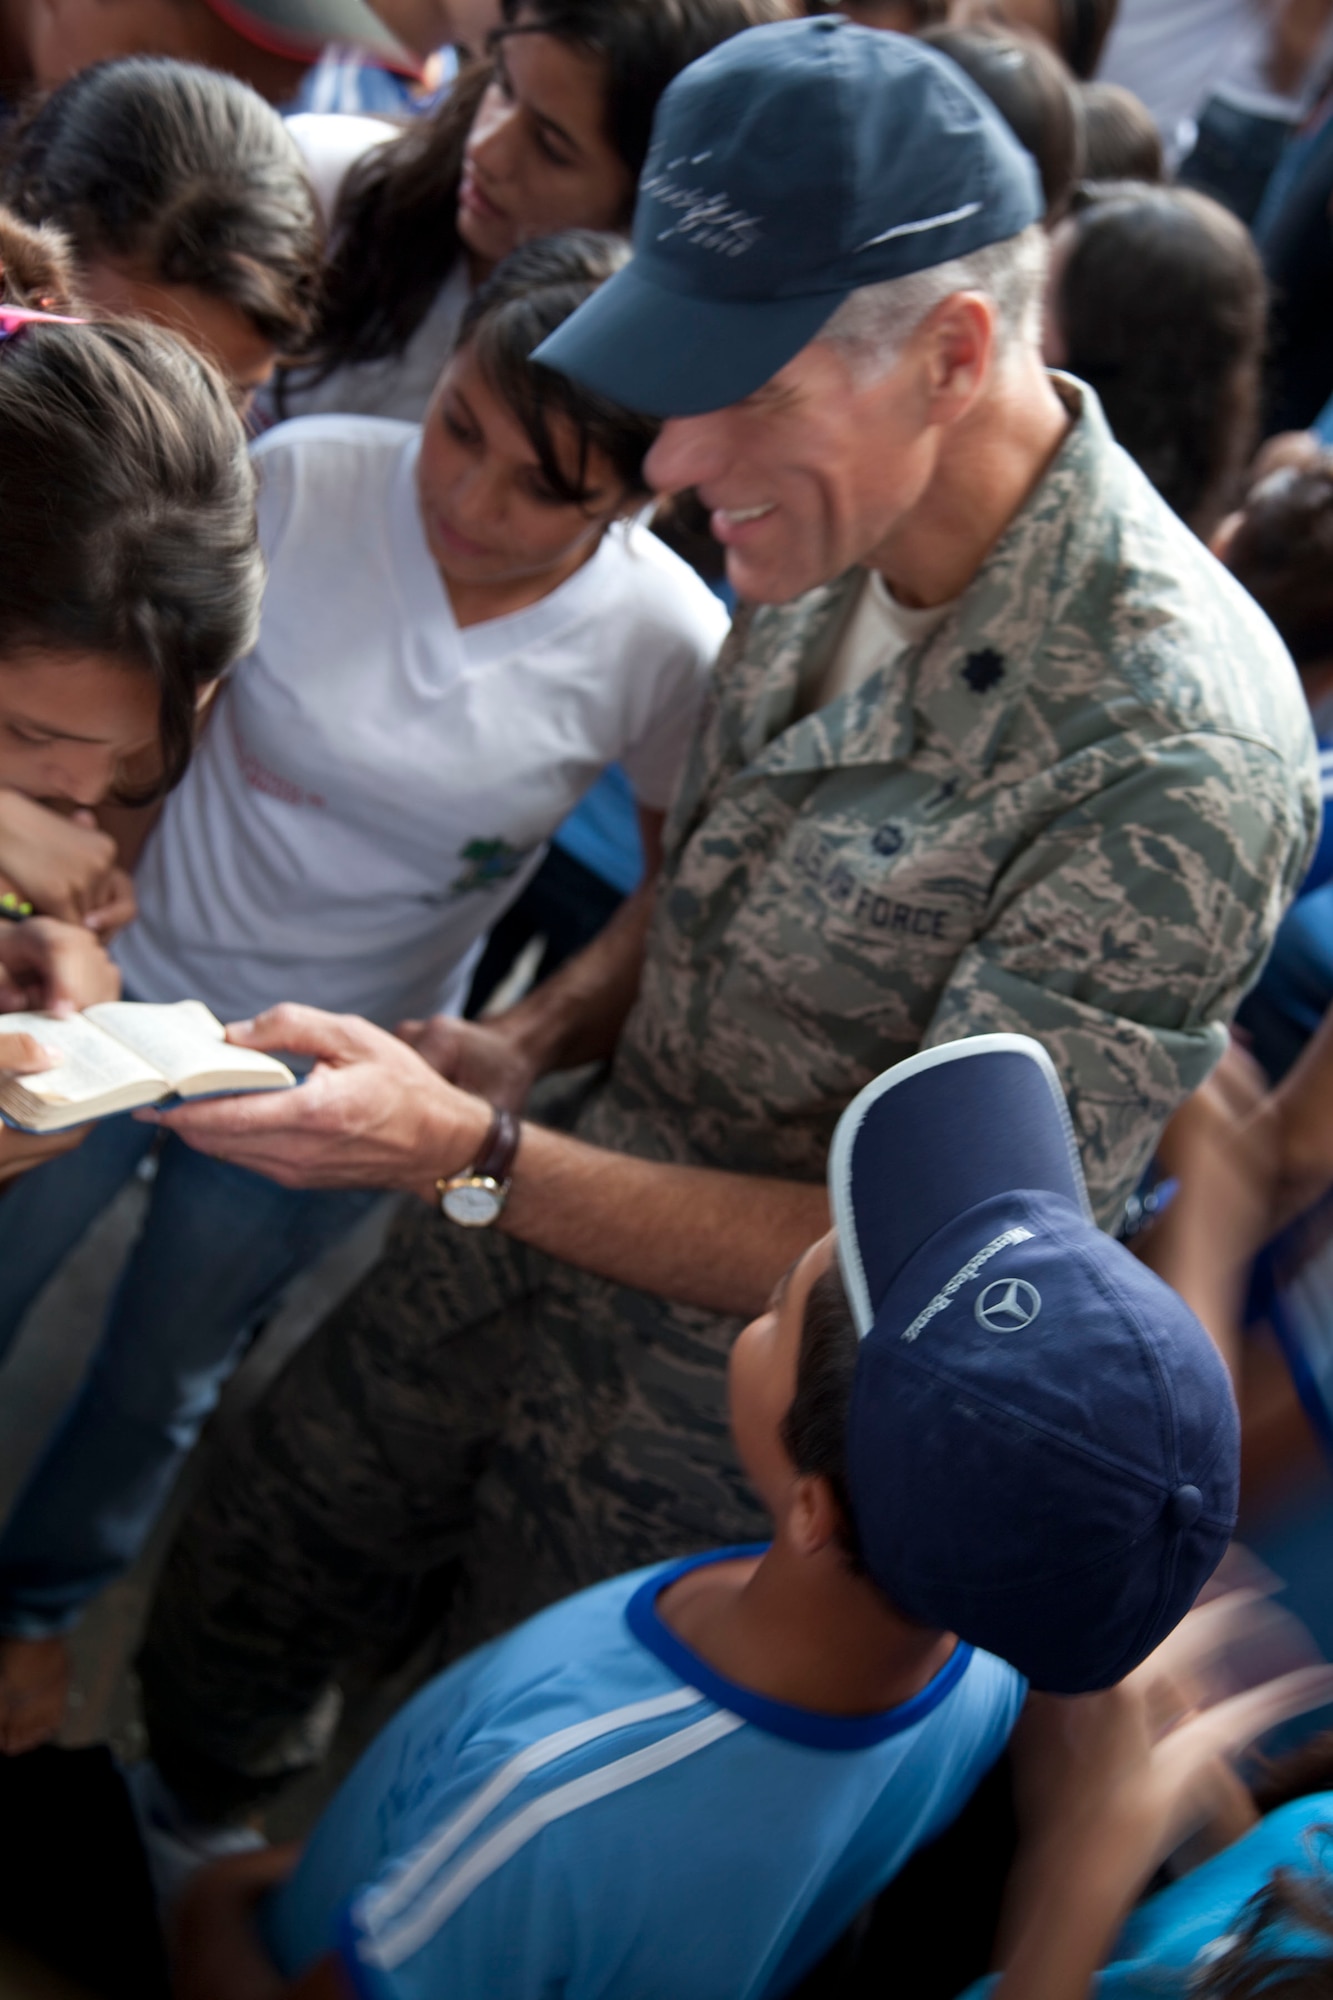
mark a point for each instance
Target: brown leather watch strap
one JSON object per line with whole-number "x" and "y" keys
{"x": 495, "y": 1161}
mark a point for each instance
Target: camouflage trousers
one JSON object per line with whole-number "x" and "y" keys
{"x": 475, "y": 1411}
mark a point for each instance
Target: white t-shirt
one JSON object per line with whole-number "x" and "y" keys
{"x": 374, "y": 785}
{"x": 1175, "y": 57}
{"x": 401, "y": 385}
{"x": 332, "y": 141}
{"x": 879, "y": 631}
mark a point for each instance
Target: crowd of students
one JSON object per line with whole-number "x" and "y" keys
{"x": 717, "y": 619}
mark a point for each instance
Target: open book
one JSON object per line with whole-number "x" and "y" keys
{"x": 123, "y": 1054}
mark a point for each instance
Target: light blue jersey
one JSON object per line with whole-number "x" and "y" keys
{"x": 1175, "y": 1935}
{"x": 585, "y": 1808}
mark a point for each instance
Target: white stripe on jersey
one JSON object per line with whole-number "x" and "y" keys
{"x": 383, "y": 1904}
{"x": 417, "y": 1926}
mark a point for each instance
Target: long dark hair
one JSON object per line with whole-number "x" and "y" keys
{"x": 1084, "y": 27}
{"x": 395, "y": 230}
{"x": 526, "y": 298}
{"x": 127, "y": 501}
{"x": 1162, "y": 304}
{"x": 183, "y": 172}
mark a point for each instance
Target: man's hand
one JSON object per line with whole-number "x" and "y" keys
{"x": 371, "y": 1113}
{"x": 53, "y": 967}
{"x": 476, "y": 1056}
{"x": 60, "y": 862}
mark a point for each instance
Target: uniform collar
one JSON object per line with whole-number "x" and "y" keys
{"x": 962, "y": 685}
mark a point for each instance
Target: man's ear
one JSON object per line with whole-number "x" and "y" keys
{"x": 814, "y": 1519}
{"x": 959, "y": 343}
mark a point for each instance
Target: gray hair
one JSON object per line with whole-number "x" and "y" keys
{"x": 873, "y": 325}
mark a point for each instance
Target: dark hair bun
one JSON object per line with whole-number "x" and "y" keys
{"x": 36, "y": 266}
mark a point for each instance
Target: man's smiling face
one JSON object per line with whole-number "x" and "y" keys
{"x": 811, "y": 474}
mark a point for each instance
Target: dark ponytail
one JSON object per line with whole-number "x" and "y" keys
{"x": 182, "y": 172}
{"x": 36, "y": 266}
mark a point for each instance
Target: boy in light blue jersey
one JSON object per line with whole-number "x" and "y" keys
{"x": 977, "y": 1423}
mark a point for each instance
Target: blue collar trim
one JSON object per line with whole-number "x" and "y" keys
{"x": 778, "y": 1718}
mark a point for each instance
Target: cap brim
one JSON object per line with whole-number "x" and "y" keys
{"x": 668, "y": 354}
{"x": 301, "y": 29}
{"x": 933, "y": 1137}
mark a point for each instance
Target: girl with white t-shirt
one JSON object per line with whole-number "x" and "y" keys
{"x": 463, "y": 626}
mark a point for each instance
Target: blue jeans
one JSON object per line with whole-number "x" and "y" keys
{"x": 217, "y": 1250}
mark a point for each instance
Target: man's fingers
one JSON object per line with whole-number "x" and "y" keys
{"x": 308, "y": 1031}
{"x": 225, "y": 1122}
{"x": 20, "y": 1055}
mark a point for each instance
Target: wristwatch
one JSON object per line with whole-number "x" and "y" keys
{"x": 476, "y": 1197}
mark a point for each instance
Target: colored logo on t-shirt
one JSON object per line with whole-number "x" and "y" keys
{"x": 261, "y": 779}
{"x": 491, "y": 861}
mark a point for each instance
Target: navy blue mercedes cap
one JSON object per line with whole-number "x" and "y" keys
{"x": 789, "y": 167}
{"x": 1043, "y": 1447}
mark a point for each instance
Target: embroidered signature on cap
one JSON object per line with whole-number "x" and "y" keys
{"x": 710, "y": 220}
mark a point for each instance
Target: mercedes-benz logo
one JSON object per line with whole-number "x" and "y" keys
{"x": 1007, "y": 1305}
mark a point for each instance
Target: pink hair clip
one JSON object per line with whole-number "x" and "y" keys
{"x": 13, "y": 320}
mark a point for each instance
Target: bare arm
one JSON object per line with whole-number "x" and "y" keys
{"x": 1296, "y": 1122}
{"x": 1297, "y": 33}
{"x": 216, "y": 1949}
{"x": 576, "y": 1016}
{"x": 692, "y": 1234}
{"x": 1224, "y": 1162}
{"x": 372, "y": 1114}
{"x": 573, "y": 1017}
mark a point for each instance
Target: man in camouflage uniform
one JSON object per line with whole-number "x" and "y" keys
{"x": 1073, "y": 807}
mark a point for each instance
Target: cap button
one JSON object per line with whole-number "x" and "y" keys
{"x": 1185, "y": 1506}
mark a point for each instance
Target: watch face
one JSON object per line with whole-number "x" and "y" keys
{"x": 475, "y": 1204}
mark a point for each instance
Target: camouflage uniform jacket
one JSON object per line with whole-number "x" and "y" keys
{"x": 1076, "y": 810}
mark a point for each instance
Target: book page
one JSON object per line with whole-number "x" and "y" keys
{"x": 93, "y": 1064}
{"x": 187, "y": 1045}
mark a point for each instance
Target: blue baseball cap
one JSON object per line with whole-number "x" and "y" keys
{"x": 789, "y": 167}
{"x": 1043, "y": 1449}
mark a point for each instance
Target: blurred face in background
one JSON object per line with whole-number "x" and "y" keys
{"x": 220, "y": 331}
{"x": 538, "y": 158}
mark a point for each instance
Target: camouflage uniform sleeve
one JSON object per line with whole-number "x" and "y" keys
{"x": 1125, "y": 936}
